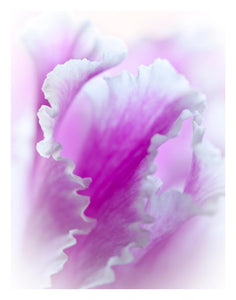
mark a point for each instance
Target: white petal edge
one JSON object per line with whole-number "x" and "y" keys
{"x": 82, "y": 70}
{"x": 151, "y": 184}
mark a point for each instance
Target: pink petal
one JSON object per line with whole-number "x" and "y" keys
{"x": 198, "y": 55}
{"x": 56, "y": 211}
{"x": 206, "y": 179}
{"x": 117, "y": 156}
{"x": 203, "y": 188}
{"x": 54, "y": 38}
{"x": 172, "y": 210}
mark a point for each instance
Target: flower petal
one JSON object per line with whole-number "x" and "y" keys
{"x": 61, "y": 87}
{"x": 171, "y": 209}
{"x": 54, "y": 38}
{"x": 203, "y": 188}
{"x": 198, "y": 55}
{"x": 206, "y": 179}
{"x": 117, "y": 156}
{"x": 56, "y": 211}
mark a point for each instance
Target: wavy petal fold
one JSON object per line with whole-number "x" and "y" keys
{"x": 134, "y": 116}
{"x": 56, "y": 211}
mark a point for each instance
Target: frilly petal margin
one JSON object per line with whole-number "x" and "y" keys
{"x": 171, "y": 210}
{"x": 132, "y": 112}
{"x": 206, "y": 179}
{"x": 203, "y": 187}
{"x": 56, "y": 214}
{"x": 53, "y": 38}
{"x": 60, "y": 88}
{"x": 56, "y": 211}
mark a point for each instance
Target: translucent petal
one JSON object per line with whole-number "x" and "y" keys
{"x": 133, "y": 113}
{"x": 56, "y": 211}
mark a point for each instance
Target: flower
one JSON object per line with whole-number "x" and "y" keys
{"x": 95, "y": 209}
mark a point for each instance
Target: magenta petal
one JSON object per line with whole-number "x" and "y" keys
{"x": 171, "y": 209}
{"x": 61, "y": 87}
{"x": 203, "y": 188}
{"x": 118, "y": 157}
{"x": 54, "y": 38}
{"x": 199, "y": 56}
{"x": 100, "y": 213}
{"x": 56, "y": 211}
{"x": 55, "y": 215}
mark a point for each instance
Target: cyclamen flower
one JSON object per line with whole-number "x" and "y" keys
{"x": 96, "y": 210}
